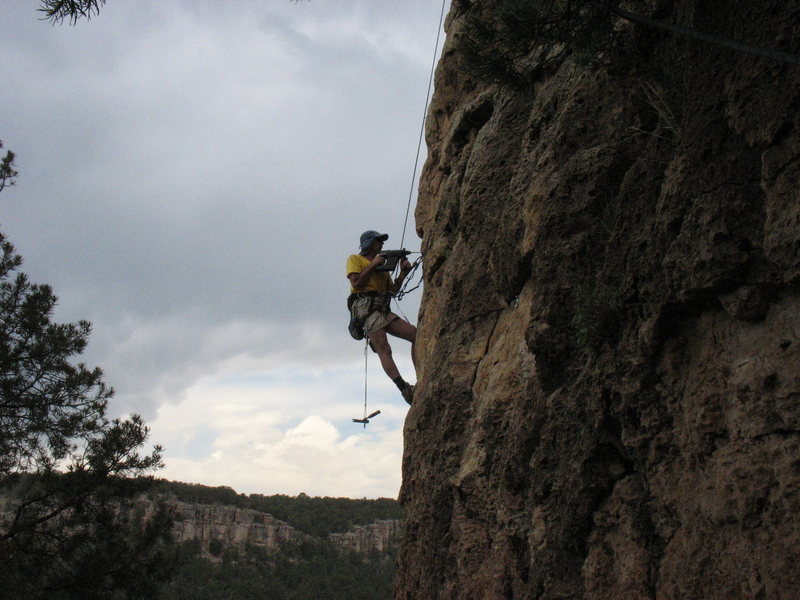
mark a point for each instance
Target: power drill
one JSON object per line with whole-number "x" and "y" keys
{"x": 392, "y": 258}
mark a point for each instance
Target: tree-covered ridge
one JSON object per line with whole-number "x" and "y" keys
{"x": 300, "y": 571}
{"x": 317, "y": 516}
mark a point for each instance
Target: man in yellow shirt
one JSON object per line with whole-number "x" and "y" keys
{"x": 371, "y": 291}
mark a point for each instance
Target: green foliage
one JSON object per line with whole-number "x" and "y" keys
{"x": 52, "y": 410}
{"x": 522, "y": 36}
{"x": 321, "y": 516}
{"x": 215, "y": 547}
{"x": 65, "y": 535}
{"x": 201, "y": 494}
{"x": 313, "y": 515}
{"x": 57, "y": 11}
{"x": 7, "y": 171}
{"x": 302, "y": 571}
{"x": 77, "y": 535}
{"x": 45, "y": 401}
{"x": 95, "y": 551}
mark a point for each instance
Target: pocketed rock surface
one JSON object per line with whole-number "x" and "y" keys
{"x": 608, "y": 400}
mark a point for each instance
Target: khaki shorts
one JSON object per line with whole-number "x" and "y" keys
{"x": 375, "y": 320}
{"x": 378, "y": 320}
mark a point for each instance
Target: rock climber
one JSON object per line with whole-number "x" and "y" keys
{"x": 371, "y": 291}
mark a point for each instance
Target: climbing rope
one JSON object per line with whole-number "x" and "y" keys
{"x": 365, "y": 419}
{"x": 403, "y": 291}
{"x": 366, "y": 355}
{"x": 422, "y": 127}
{"x": 409, "y": 278}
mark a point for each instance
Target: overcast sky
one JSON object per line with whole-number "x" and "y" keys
{"x": 193, "y": 176}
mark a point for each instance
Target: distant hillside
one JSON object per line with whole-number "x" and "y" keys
{"x": 300, "y": 571}
{"x": 234, "y": 546}
{"x": 316, "y": 516}
{"x": 280, "y": 547}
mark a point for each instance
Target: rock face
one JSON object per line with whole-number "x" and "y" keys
{"x": 231, "y": 525}
{"x": 608, "y": 400}
{"x": 241, "y": 526}
{"x": 380, "y": 536}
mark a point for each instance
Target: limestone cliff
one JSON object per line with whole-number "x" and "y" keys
{"x": 231, "y": 525}
{"x": 608, "y": 403}
{"x": 241, "y": 526}
{"x": 380, "y": 536}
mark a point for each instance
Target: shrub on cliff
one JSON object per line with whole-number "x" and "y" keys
{"x": 500, "y": 48}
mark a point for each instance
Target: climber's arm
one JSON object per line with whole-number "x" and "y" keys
{"x": 359, "y": 280}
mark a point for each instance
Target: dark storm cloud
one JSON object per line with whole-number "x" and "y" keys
{"x": 194, "y": 174}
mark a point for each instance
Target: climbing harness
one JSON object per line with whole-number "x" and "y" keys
{"x": 355, "y": 328}
{"x": 361, "y": 305}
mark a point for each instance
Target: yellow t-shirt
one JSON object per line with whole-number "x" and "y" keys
{"x": 378, "y": 281}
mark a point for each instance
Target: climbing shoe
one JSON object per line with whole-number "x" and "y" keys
{"x": 408, "y": 393}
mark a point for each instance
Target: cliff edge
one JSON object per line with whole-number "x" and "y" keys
{"x": 609, "y": 338}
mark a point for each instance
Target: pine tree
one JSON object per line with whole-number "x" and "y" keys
{"x": 69, "y": 476}
{"x": 57, "y": 11}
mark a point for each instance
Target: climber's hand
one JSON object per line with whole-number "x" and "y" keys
{"x": 379, "y": 260}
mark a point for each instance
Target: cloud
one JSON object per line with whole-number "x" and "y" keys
{"x": 264, "y": 433}
{"x": 193, "y": 176}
